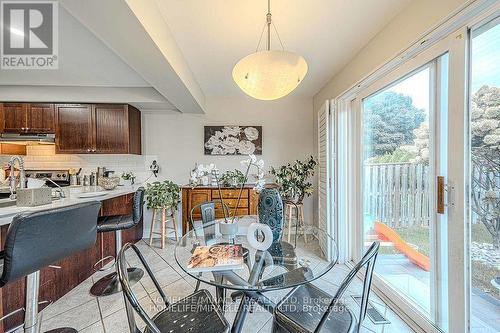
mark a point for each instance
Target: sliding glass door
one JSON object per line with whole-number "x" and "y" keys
{"x": 400, "y": 133}
{"x": 484, "y": 194}
{"x": 419, "y": 171}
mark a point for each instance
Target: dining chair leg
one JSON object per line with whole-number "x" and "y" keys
{"x": 163, "y": 225}
{"x": 152, "y": 228}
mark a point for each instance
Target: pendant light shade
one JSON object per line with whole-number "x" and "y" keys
{"x": 269, "y": 75}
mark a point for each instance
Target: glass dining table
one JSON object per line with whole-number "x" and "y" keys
{"x": 283, "y": 265}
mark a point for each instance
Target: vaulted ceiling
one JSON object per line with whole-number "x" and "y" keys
{"x": 214, "y": 34}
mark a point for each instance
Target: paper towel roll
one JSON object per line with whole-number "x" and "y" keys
{"x": 252, "y": 239}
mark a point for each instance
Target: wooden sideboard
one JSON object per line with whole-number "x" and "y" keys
{"x": 194, "y": 196}
{"x": 65, "y": 275}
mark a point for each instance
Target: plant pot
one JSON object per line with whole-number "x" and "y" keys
{"x": 228, "y": 229}
{"x": 126, "y": 182}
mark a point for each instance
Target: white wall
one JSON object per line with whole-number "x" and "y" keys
{"x": 400, "y": 33}
{"x": 177, "y": 139}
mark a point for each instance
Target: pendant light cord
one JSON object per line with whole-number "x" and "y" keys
{"x": 268, "y": 24}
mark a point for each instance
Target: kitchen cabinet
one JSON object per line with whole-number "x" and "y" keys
{"x": 194, "y": 196}
{"x": 40, "y": 118}
{"x": 97, "y": 129}
{"x": 27, "y": 118}
{"x": 74, "y": 128}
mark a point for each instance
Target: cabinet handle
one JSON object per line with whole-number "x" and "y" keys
{"x": 88, "y": 150}
{"x": 22, "y": 128}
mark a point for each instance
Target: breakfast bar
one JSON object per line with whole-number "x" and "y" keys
{"x": 58, "y": 279}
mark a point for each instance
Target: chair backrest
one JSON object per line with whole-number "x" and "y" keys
{"x": 271, "y": 211}
{"x": 138, "y": 205}
{"x": 368, "y": 260}
{"x": 207, "y": 212}
{"x": 131, "y": 302}
{"x": 36, "y": 240}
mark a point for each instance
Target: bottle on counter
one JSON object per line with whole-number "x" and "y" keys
{"x": 93, "y": 179}
{"x": 86, "y": 180}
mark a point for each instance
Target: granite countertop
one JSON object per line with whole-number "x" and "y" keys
{"x": 7, "y": 213}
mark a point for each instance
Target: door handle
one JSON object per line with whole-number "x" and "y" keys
{"x": 440, "y": 195}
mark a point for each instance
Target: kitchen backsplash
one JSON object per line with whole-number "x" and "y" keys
{"x": 43, "y": 157}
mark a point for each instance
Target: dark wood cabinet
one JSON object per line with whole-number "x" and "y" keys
{"x": 27, "y": 117}
{"x": 14, "y": 117}
{"x": 40, "y": 118}
{"x": 111, "y": 129}
{"x": 98, "y": 129}
{"x": 74, "y": 128}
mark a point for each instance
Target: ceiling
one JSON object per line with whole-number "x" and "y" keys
{"x": 213, "y": 35}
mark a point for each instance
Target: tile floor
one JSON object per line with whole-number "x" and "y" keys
{"x": 88, "y": 314}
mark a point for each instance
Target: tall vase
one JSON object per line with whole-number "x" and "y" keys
{"x": 271, "y": 211}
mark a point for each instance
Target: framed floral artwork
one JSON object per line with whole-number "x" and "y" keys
{"x": 233, "y": 140}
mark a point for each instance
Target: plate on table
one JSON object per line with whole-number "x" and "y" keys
{"x": 92, "y": 194}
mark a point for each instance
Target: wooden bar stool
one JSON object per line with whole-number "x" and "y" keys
{"x": 166, "y": 214}
{"x": 299, "y": 208}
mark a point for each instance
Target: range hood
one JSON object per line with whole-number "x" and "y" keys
{"x": 20, "y": 137}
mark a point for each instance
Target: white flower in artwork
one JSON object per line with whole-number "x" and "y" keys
{"x": 213, "y": 142}
{"x": 219, "y": 135}
{"x": 251, "y": 133}
{"x": 231, "y": 130}
{"x": 218, "y": 151}
{"x": 246, "y": 147}
{"x": 230, "y": 144}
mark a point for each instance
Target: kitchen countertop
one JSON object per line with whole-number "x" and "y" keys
{"x": 7, "y": 213}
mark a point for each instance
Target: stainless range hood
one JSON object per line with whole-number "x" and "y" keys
{"x": 19, "y": 137}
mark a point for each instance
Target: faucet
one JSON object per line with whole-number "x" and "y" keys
{"x": 22, "y": 176}
{"x": 58, "y": 188}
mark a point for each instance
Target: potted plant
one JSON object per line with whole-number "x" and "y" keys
{"x": 233, "y": 178}
{"x": 293, "y": 179}
{"x": 164, "y": 194}
{"x": 128, "y": 178}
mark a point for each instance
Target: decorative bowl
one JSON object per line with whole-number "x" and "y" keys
{"x": 108, "y": 183}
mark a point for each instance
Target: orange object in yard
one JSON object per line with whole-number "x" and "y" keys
{"x": 387, "y": 233}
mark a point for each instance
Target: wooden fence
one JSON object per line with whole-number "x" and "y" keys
{"x": 397, "y": 194}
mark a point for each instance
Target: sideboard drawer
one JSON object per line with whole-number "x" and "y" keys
{"x": 228, "y": 194}
{"x": 239, "y": 212}
{"x": 231, "y": 203}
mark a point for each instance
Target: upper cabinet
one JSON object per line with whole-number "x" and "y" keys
{"x": 97, "y": 129}
{"x": 74, "y": 128}
{"x": 27, "y": 118}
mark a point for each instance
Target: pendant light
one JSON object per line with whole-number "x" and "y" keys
{"x": 269, "y": 74}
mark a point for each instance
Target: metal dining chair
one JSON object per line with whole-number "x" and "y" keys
{"x": 208, "y": 225}
{"x": 195, "y": 313}
{"x": 298, "y": 311}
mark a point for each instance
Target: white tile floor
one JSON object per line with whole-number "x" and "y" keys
{"x": 86, "y": 313}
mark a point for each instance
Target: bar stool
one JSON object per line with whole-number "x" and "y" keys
{"x": 166, "y": 214}
{"x": 39, "y": 239}
{"x": 109, "y": 284}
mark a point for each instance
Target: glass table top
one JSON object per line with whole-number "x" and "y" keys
{"x": 283, "y": 265}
